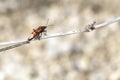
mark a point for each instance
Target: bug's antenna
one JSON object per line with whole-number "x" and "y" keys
{"x": 47, "y": 22}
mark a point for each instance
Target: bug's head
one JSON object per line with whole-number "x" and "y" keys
{"x": 43, "y": 27}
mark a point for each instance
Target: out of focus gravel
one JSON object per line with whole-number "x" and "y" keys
{"x": 86, "y": 56}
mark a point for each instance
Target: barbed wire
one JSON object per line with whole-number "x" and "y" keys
{"x": 87, "y": 28}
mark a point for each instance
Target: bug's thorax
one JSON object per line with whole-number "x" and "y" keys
{"x": 40, "y": 29}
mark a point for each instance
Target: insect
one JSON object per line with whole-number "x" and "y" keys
{"x": 37, "y": 33}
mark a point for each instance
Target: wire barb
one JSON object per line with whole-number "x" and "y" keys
{"x": 90, "y": 27}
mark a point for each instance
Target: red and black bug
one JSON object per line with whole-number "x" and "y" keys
{"x": 37, "y": 33}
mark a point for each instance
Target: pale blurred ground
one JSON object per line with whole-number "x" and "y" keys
{"x": 86, "y": 56}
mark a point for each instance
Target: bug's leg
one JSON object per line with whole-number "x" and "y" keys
{"x": 45, "y": 32}
{"x": 33, "y": 29}
{"x": 36, "y": 37}
{"x": 39, "y": 36}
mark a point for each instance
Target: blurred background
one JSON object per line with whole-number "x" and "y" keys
{"x": 84, "y": 56}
